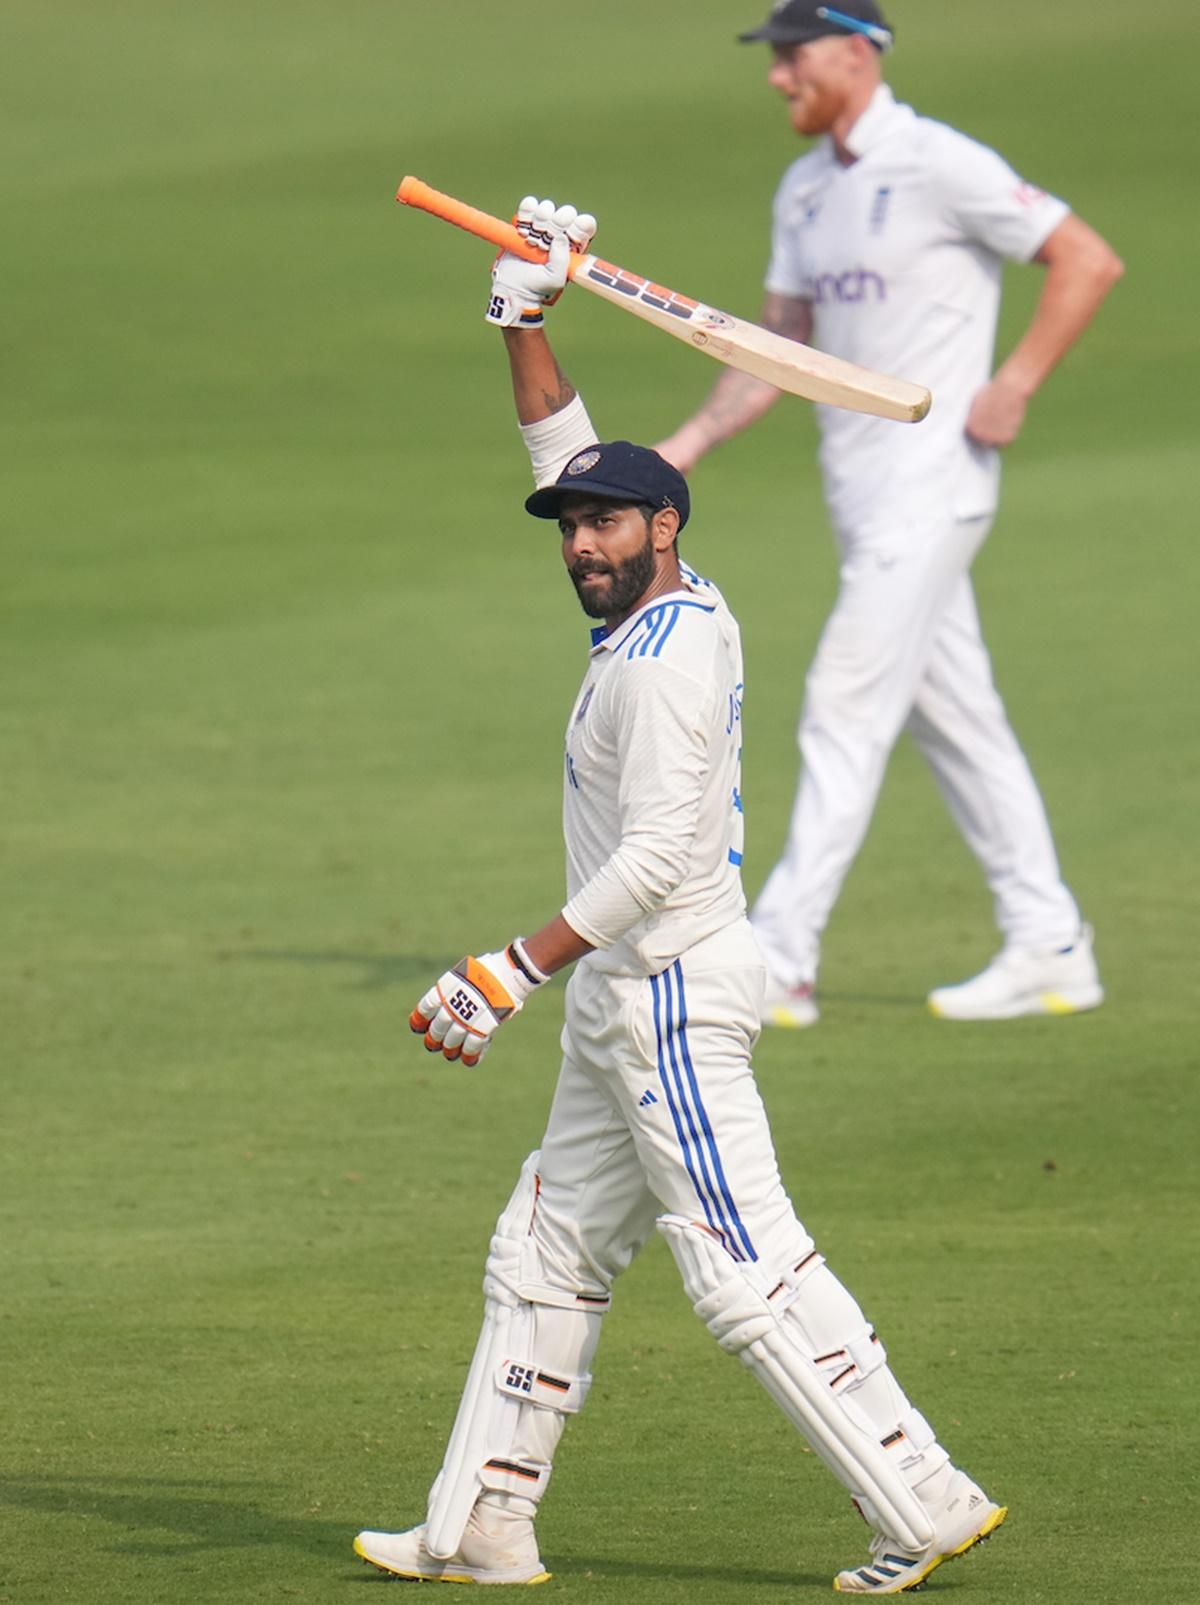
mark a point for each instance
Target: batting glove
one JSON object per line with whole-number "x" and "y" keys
{"x": 459, "y": 1015}
{"x": 521, "y": 289}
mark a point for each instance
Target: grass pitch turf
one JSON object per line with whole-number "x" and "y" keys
{"x": 285, "y": 669}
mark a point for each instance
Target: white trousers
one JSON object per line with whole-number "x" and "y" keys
{"x": 903, "y": 647}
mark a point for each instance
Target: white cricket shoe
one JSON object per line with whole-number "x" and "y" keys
{"x": 962, "y": 1518}
{"x": 1023, "y": 981}
{"x": 496, "y": 1548}
{"x": 792, "y": 1007}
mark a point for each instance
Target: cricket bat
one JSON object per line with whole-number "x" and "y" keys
{"x": 787, "y": 364}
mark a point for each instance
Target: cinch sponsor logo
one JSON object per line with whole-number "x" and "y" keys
{"x": 654, "y": 295}
{"x": 856, "y": 284}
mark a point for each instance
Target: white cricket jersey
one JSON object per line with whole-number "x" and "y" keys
{"x": 901, "y": 254}
{"x": 652, "y": 808}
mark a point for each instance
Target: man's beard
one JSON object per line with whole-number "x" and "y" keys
{"x": 820, "y": 108}
{"x": 626, "y": 582}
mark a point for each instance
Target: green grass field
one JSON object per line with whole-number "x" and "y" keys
{"x": 284, "y": 672}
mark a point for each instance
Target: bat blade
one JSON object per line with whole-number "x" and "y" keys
{"x": 789, "y": 365}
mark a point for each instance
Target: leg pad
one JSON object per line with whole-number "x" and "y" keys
{"x": 813, "y": 1390}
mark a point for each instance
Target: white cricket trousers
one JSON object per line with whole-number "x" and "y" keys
{"x": 903, "y": 648}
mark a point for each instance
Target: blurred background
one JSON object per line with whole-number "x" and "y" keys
{"x": 284, "y": 667}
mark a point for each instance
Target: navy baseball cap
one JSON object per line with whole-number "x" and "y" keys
{"x": 618, "y": 471}
{"x": 796, "y": 22}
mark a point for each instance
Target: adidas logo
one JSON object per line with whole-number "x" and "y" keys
{"x": 646, "y": 1099}
{"x": 975, "y": 1499}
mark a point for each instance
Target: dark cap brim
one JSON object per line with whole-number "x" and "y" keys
{"x": 776, "y": 34}
{"x": 545, "y": 503}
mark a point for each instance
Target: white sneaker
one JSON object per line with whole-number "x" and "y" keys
{"x": 496, "y": 1548}
{"x": 792, "y": 1007}
{"x": 962, "y": 1518}
{"x": 1020, "y": 981}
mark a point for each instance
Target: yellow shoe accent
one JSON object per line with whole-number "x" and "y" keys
{"x": 422, "y": 1577}
{"x": 1055, "y": 1003}
{"x": 988, "y": 1528}
{"x": 915, "y": 1580}
{"x": 986, "y": 1531}
{"x": 934, "y": 1009}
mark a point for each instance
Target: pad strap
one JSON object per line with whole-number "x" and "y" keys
{"x": 524, "y": 1381}
{"x": 512, "y": 1476}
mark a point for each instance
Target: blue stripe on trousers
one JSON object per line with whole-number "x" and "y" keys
{"x": 677, "y": 970}
{"x": 659, "y": 992}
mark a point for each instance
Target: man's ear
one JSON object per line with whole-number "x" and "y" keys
{"x": 664, "y": 527}
{"x": 863, "y": 54}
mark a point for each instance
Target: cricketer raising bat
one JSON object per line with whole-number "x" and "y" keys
{"x": 784, "y": 363}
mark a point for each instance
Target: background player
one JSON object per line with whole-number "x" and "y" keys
{"x": 889, "y": 239}
{"x": 656, "y": 1115}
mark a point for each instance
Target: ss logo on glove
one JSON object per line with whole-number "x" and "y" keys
{"x": 465, "y": 1004}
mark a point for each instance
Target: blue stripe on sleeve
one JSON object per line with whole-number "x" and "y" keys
{"x": 666, "y": 634}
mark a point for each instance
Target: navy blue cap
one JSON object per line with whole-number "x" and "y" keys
{"x": 796, "y": 22}
{"x": 620, "y": 472}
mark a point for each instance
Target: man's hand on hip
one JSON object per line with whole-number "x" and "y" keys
{"x": 520, "y": 289}
{"x": 997, "y": 413}
{"x": 459, "y": 1015}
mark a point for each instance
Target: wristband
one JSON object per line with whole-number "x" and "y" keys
{"x": 518, "y": 956}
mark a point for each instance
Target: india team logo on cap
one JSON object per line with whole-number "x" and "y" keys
{"x": 581, "y": 464}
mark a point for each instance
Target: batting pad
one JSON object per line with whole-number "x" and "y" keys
{"x": 814, "y": 1394}
{"x": 529, "y": 1372}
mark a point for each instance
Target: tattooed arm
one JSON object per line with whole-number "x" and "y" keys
{"x": 554, "y": 422}
{"x": 540, "y": 387}
{"x": 737, "y": 400}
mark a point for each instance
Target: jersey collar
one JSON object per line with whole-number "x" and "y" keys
{"x": 694, "y": 590}
{"x": 875, "y": 123}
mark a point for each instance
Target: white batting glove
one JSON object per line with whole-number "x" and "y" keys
{"x": 460, "y": 1013}
{"x": 520, "y": 289}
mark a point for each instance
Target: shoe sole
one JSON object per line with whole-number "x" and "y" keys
{"x": 446, "y": 1577}
{"x": 1036, "y": 1003}
{"x": 913, "y": 1585}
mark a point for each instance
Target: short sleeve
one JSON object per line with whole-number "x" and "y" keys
{"x": 787, "y": 272}
{"x": 987, "y": 200}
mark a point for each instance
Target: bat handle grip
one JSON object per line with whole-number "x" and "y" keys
{"x": 413, "y": 192}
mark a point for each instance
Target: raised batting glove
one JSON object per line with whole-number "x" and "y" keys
{"x": 459, "y": 1015}
{"x": 521, "y": 289}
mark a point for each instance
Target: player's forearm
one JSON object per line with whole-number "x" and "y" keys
{"x": 1081, "y": 268}
{"x": 555, "y": 946}
{"x": 736, "y": 401}
{"x": 540, "y": 387}
{"x": 554, "y": 422}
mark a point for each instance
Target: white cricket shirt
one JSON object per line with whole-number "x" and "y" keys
{"x": 652, "y": 809}
{"x": 901, "y": 255}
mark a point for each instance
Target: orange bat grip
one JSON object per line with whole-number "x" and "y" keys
{"x": 413, "y": 192}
